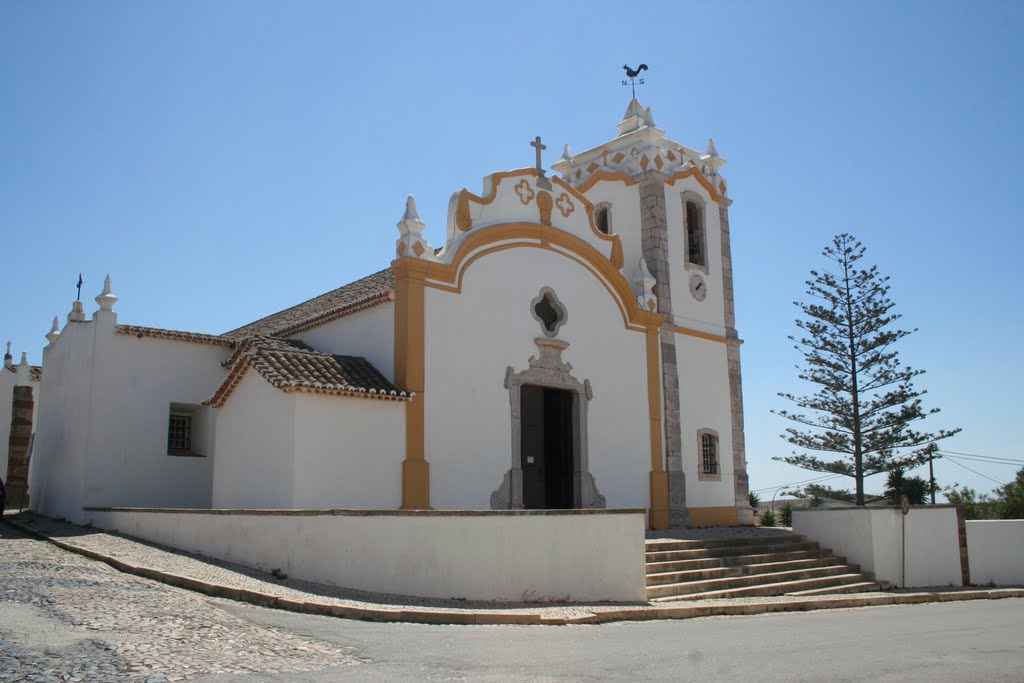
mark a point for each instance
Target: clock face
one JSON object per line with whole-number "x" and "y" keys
{"x": 698, "y": 288}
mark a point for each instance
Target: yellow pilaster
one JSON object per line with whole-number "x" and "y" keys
{"x": 410, "y": 330}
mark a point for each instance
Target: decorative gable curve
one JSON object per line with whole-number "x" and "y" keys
{"x": 517, "y": 197}
{"x": 448, "y": 275}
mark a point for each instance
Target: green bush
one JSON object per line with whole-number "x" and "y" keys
{"x": 753, "y": 499}
{"x": 786, "y": 514}
{"x": 767, "y": 518}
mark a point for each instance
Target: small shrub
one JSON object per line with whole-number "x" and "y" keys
{"x": 753, "y": 499}
{"x": 767, "y": 518}
{"x": 786, "y": 514}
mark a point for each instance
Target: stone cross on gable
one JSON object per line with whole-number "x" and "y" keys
{"x": 536, "y": 144}
{"x": 542, "y": 181}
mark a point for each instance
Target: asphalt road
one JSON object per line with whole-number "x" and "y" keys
{"x": 964, "y": 641}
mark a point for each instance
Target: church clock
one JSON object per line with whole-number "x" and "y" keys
{"x": 698, "y": 288}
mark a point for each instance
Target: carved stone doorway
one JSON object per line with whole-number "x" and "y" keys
{"x": 564, "y": 401}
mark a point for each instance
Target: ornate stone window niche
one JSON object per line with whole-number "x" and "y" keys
{"x": 548, "y": 370}
{"x": 547, "y": 310}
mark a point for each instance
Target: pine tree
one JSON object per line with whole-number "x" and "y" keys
{"x": 865, "y": 407}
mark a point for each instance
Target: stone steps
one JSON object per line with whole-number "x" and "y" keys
{"x": 744, "y": 567}
{"x": 701, "y": 553}
{"x": 698, "y": 575}
{"x": 734, "y": 560}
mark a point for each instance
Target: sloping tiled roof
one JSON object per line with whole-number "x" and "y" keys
{"x": 290, "y": 365}
{"x": 369, "y": 291}
{"x": 174, "y": 335}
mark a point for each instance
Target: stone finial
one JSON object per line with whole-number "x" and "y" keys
{"x": 636, "y": 117}
{"x": 77, "y": 314}
{"x": 712, "y": 160}
{"x": 24, "y": 359}
{"x": 8, "y": 358}
{"x": 106, "y": 298}
{"x": 411, "y": 227}
{"x": 566, "y": 155}
{"x": 54, "y": 332}
{"x": 645, "y": 282}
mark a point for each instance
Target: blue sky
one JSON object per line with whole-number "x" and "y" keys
{"x": 223, "y": 160}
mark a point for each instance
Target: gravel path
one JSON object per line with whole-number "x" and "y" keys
{"x": 68, "y": 618}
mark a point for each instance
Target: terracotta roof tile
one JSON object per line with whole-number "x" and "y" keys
{"x": 174, "y": 335}
{"x": 290, "y": 365}
{"x": 368, "y": 291}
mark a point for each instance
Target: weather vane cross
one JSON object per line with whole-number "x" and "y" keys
{"x": 79, "y": 297}
{"x": 633, "y": 73}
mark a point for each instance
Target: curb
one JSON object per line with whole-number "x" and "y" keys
{"x": 462, "y": 617}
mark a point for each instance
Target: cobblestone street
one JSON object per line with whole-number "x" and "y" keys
{"x": 64, "y": 617}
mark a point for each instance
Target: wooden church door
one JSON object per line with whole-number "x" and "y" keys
{"x": 546, "y": 447}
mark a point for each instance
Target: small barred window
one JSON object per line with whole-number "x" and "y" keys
{"x": 709, "y": 448}
{"x": 547, "y": 310}
{"x": 179, "y": 434}
{"x": 547, "y": 313}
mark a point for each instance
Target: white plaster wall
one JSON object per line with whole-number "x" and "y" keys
{"x": 369, "y": 333}
{"x": 871, "y": 537}
{"x": 348, "y": 452}
{"x": 704, "y": 404}
{"x": 255, "y": 447}
{"x": 573, "y": 557}
{"x": 134, "y": 384}
{"x": 59, "y": 455}
{"x": 472, "y": 337}
{"x": 103, "y": 420}
{"x": 996, "y": 551}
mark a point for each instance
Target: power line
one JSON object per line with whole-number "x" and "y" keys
{"x": 954, "y": 461}
{"x": 805, "y": 481}
{"x": 984, "y": 457}
{"x": 991, "y": 461}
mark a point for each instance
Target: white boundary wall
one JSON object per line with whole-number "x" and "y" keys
{"x": 871, "y": 537}
{"x": 506, "y": 555}
{"x": 997, "y": 551}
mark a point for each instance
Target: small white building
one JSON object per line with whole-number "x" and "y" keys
{"x": 572, "y": 344}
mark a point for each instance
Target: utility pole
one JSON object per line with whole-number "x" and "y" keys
{"x": 931, "y": 477}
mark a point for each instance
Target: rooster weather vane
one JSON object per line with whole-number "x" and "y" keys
{"x": 633, "y": 73}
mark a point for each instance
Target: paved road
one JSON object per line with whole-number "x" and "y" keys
{"x": 61, "y": 614}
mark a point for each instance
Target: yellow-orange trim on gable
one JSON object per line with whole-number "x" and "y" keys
{"x": 479, "y": 243}
{"x": 464, "y": 220}
{"x": 704, "y": 182}
{"x": 618, "y": 176}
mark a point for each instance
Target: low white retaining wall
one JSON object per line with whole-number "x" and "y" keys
{"x": 872, "y": 537}
{"x": 507, "y": 555}
{"x": 997, "y": 551}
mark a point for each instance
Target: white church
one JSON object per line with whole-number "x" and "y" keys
{"x": 572, "y": 344}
